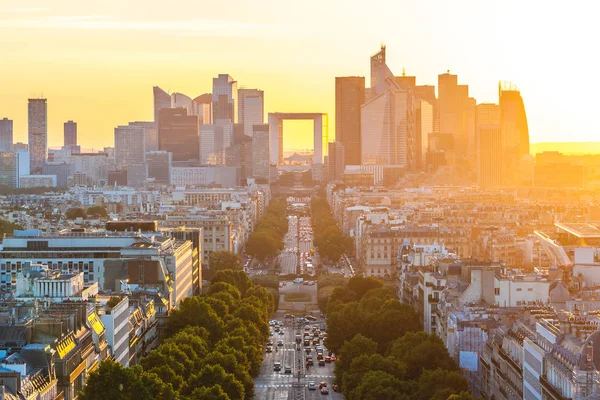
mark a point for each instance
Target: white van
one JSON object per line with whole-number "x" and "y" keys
{"x": 298, "y": 280}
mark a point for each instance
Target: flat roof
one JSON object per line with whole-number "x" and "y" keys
{"x": 579, "y": 229}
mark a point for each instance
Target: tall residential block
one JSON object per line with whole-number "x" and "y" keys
{"x": 130, "y": 145}
{"x": 6, "y": 134}
{"x": 179, "y": 133}
{"x": 224, "y": 98}
{"x": 250, "y": 109}
{"x": 70, "y": 134}
{"x": 151, "y": 134}
{"x": 37, "y": 112}
{"x": 489, "y": 146}
{"x": 453, "y": 99}
{"x": 336, "y": 161}
{"x": 515, "y": 133}
{"x": 159, "y": 166}
{"x": 349, "y": 97}
{"x": 260, "y": 152}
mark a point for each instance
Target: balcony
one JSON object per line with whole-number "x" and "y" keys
{"x": 433, "y": 299}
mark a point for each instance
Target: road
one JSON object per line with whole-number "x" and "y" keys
{"x": 278, "y": 385}
{"x": 288, "y": 258}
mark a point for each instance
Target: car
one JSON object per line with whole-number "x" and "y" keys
{"x": 322, "y": 385}
{"x": 270, "y": 343}
{"x": 310, "y": 318}
{"x": 281, "y": 333}
{"x": 307, "y": 327}
{"x": 312, "y": 385}
{"x": 328, "y": 360}
{"x": 324, "y": 390}
{"x": 287, "y": 370}
{"x": 284, "y": 283}
{"x": 321, "y": 363}
{"x": 336, "y": 388}
{"x": 288, "y": 316}
{"x": 280, "y": 343}
{"x": 277, "y": 366}
{"x": 308, "y": 350}
{"x": 269, "y": 349}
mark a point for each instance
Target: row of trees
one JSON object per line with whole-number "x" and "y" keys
{"x": 267, "y": 239}
{"x": 212, "y": 348}
{"x": 91, "y": 212}
{"x": 329, "y": 240}
{"x": 7, "y": 227}
{"x": 383, "y": 354}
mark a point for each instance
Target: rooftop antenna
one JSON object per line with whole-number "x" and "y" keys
{"x": 403, "y": 71}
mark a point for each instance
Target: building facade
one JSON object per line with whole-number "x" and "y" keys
{"x": 349, "y": 97}
{"x": 37, "y": 133}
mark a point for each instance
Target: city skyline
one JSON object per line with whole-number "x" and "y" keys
{"x": 77, "y": 89}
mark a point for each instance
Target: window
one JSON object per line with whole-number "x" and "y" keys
{"x": 519, "y": 289}
{"x": 530, "y": 289}
{"x": 497, "y": 291}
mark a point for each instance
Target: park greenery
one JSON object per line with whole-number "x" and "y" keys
{"x": 222, "y": 260}
{"x": 382, "y": 351}
{"x": 212, "y": 348}
{"x": 7, "y": 227}
{"x": 328, "y": 237}
{"x": 11, "y": 191}
{"x": 266, "y": 241}
{"x": 91, "y": 212}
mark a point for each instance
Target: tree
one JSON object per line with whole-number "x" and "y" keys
{"x": 211, "y": 375}
{"x": 214, "y": 392}
{"x": 361, "y": 285}
{"x": 461, "y": 396}
{"x": 365, "y": 363}
{"x": 113, "y": 301}
{"x": 97, "y": 211}
{"x": 222, "y": 260}
{"x": 440, "y": 384}
{"x": 379, "y": 385}
{"x": 421, "y": 352}
{"x": 358, "y": 346}
{"x": 263, "y": 244}
{"x": 195, "y": 311}
{"x": 237, "y": 278}
{"x": 6, "y": 227}
{"x": 113, "y": 381}
{"x": 74, "y": 213}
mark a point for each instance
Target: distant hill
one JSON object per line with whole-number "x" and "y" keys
{"x": 566, "y": 147}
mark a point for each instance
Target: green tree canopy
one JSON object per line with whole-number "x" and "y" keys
{"x": 97, "y": 211}
{"x": 73, "y": 213}
{"x": 222, "y": 260}
{"x": 113, "y": 381}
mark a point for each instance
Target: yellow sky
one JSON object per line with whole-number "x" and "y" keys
{"x": 96, "y": 63}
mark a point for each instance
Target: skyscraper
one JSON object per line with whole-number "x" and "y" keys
{"x": 452, "y": 101}
{"x": 159, "y": 166}
{"x": 207, "y": 144}
{"x": 250, "y": 109}
{"x": 6, "y": 134}
{"x": 424, "y": 117}
{"x": 180, "y": 100}
{"x": 162, "y": 100}
{"x": 203, "y": 108}
{"x": 515, "y": 132}
{"x": 38, "y": 133}
{"x": 349, "y": 97}
{"x": 130, "y": 145}
{"x": 336, "y": 161}
{"x": 378, "y": 66}
{"x": 151, "y": 134}
{"x": 224, "y": 98}
{"x": 387, "y": 119}
{"x": 489, "y": 143}
{"x": 178, "y": 133}
{"x": 260, "y": 152}
{"x": 70, "y": 137}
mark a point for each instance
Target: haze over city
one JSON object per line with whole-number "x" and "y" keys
{"x": 97, "y": 62}
{"x": 299, "y": 200}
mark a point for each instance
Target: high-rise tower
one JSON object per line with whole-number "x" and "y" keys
{"x": 224, "y": 97}
{"x": 162, "y": 100}
{"x": 70, "y": 134}
{"x": 489, "y": 146}
{"x": 37, "y": 133}
{"x": 349, "y": 97}
{"x": 6, "y": 134}
{"x": 251, "y": 109}
{"x": 515, "y": 132}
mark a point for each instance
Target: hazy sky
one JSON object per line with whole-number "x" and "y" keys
{"x": 96, "y": 62}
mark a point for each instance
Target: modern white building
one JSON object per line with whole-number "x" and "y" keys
{"x": 224, "y": 98}
{"x": 260, "y": 152}
{"x": 6, "y": 134}
{"x": 116, "y": 322}
{"x": 30, "y": 181}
